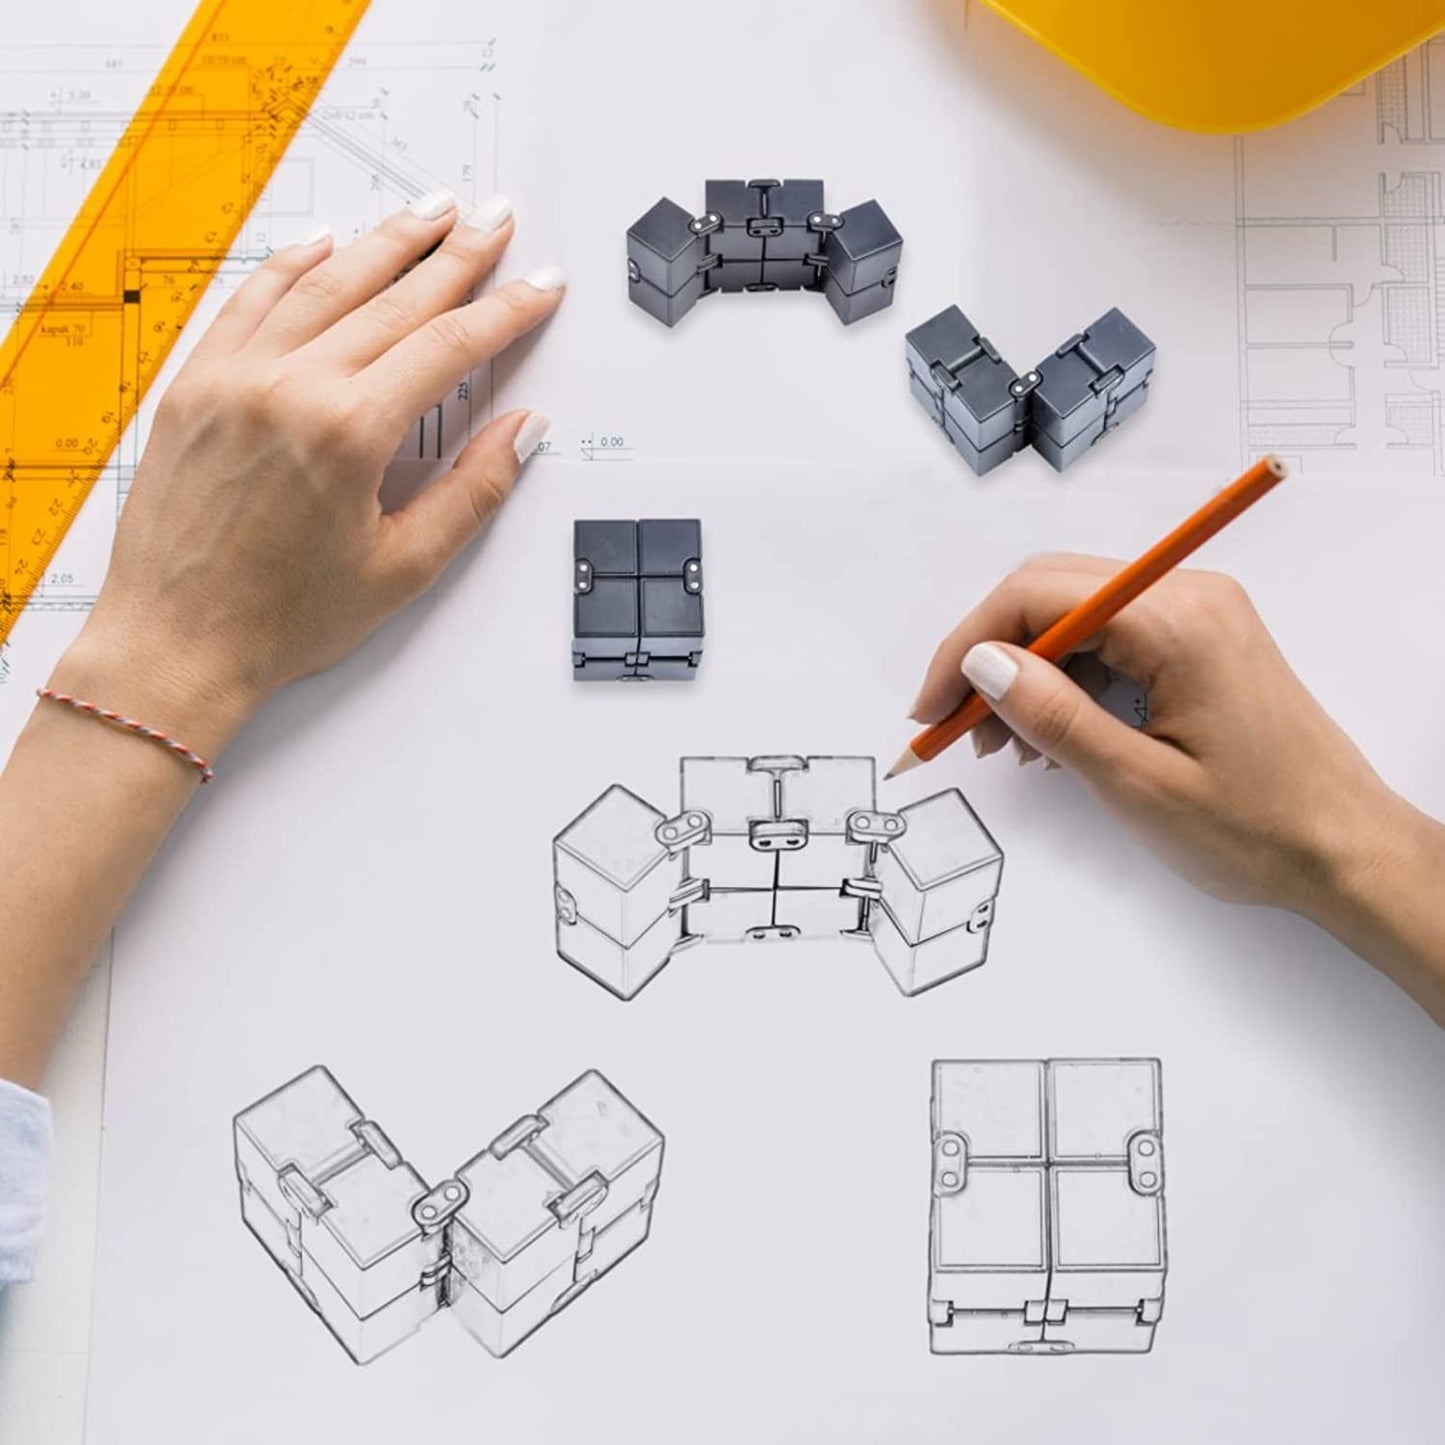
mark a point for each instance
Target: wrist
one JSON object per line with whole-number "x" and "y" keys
{"x": 177, "y": 692}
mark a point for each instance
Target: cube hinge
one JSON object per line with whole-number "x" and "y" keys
{"x": 302, "y": 1192}
{"x": 706, "y": 224}
{"x": 372, "y": 1138}
{"x": 950, "y": 1164}
{"x": 522, "y": 1132}
{"x": 692, "y": 575}
{"x": 433, "y": 1209}
{"x": 580, "y": 1199}
{"x": 675, "y": 834}
{"x": 981, "y": 916}
{"x": 565, "y": 904}
{"x": 824, "y": 221}
{"x": 695, "y": 890}
{"x": 870, "y": 888}
{"x": 582, "y": 577}
{"x": 1146, "y": 1163}
{"x": 777, "y": 835}
{"x": 865, "y": 826}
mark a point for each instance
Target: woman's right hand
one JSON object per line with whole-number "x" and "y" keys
{"x": 1239, "y": 778}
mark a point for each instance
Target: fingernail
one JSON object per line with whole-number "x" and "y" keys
{"x": 547, "y": 278}
{"x": 990, "y": 669}
{"x": 491, "y": 215}
{"x": 529, "y": 435}
{"x": 976, "y": 738}
{"x": 314, "y": 238}
{"x": 1050, "y": 765}
{"x": 433, "y": 205}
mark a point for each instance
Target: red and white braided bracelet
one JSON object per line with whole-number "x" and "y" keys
{"x": 48, "y": 694}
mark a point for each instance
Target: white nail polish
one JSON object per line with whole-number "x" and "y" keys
{"x": 314, "y": 238}
{"x": 547, "y": 278}
{"x": 530, "y": 435}
{"x": 990, "y": 669}
{"x": 489, "y": 215}
{"x": 433, "y": 205}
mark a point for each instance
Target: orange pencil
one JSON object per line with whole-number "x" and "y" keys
{"x": 1093, "y": 612}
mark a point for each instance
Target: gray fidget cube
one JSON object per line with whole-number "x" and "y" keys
{"x": 615, "y": 881}
{"x": 665, "y": 256}
{"x": 1088, "y": 386}
{"x": 969, "y": 390}
{"x": 552, "y": 1204}
{"x": 1046, "y": 1230}
{"x": 939, "y": 881}
{"x": 637, "y": 608}
{"x": 334, "y": 1204}
{"x": 862, "y": 256}
{"x": 762, "y": 235}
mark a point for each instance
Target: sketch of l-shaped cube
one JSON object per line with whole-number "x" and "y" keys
{"x": 515, "y": 1235}
{"x": 775, "y": 848}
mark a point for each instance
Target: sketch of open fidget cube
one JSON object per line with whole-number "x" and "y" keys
{"x": 775, "y": 848}
{"x": 1046, "y": 1234}
{"x": 515, "y": 1235}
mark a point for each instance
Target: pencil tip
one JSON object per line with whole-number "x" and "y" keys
{"x": 907, "y": 760}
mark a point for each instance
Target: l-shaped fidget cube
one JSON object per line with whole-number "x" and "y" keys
{"x": 1062, "y": 407}
{"x": 515, "y": 1235}
{"x": 775, "y": 848}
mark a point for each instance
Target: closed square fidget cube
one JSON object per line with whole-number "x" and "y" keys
{"x": 637, "y": 599}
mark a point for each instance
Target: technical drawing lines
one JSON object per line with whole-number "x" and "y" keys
{"x": 1341, "y": 279}
{"x": 514, "y": 1236}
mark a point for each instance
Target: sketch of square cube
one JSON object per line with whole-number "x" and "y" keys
{"x": 584, "y": 1169}
{"x": 1091, "y": 383}
{"x": 331, "y": 1200}
{"x": 1046, "y": 1229}
{"x": 614, "y": 882}
{"x": 939, "y": 881}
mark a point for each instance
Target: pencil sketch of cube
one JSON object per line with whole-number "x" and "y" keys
{"x": 1046, "y": 1231}
{"x": 616, "y": 879}
{"x": 517, "y": 1234}
{"x": 939, "y": 881}
{"x": 775, "y": 848}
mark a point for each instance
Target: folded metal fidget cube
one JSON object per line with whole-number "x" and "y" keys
{"x": 762, "y": 236}
{"x": 1062, "y": 407}
{"x": 515, "y": 1235}
{"x": 774, "y": 848}
{"x": 1046, "y": 1234}
{"x": 637, "y": 599}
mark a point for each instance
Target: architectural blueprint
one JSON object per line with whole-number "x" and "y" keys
{"x": 1341, "y": 279}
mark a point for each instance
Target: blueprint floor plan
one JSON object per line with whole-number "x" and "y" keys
{"x": 1342, "y": 279}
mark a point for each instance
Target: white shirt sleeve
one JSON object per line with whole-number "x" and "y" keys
{"x": 25, "y": 1145}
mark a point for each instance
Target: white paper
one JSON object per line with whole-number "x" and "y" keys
{"x": 368, "y": 885}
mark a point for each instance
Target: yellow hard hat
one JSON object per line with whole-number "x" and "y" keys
{"x": 1230, "y": 65}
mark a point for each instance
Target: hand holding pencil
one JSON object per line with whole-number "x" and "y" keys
{"x": 1084, "y": 619}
